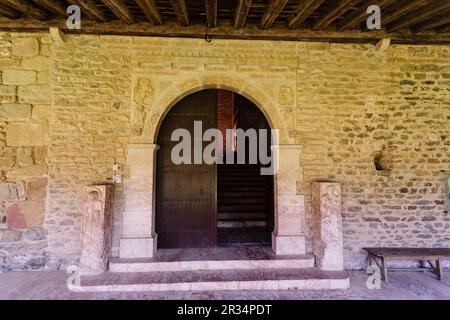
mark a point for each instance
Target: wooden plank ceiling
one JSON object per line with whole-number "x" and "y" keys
{"x": 409, "y": 21}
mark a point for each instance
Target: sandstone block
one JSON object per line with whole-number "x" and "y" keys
{"x": 25, "y": 47}
{"x": 18, "y": 77}
{"x": 26, "y": 134}
{"x": 15, "y": 111}
{"x": 25, "y": 156}
{"x": 39, "y": 94}
{"x": 38, "y": 63}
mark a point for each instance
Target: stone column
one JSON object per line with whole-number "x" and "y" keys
{"x": 138, "y": 231}
{"x": 288, "y": 236}
{"x": 327, "y": 223}
{"x": 96, "y": 229}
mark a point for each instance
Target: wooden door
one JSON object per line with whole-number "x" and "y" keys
{"x": 186, "y": 193}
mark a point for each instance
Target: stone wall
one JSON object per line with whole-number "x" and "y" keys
{"x": 24, "y": 113}
{"x": 347, "y": 106}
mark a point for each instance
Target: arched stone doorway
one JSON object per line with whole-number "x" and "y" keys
{"x": 139, "y": 239}
{"x": 228, "y": 203}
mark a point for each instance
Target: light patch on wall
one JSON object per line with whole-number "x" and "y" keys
{"x": 447, "y": 191}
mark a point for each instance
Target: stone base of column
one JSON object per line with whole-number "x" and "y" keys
{"x": 287, "y": 244}
{"x": 137, "y": 247}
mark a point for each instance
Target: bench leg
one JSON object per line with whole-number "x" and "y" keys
{"x": 384, "y": 269}
{"x": 439, "y": 270}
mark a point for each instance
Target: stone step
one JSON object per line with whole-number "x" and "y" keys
{"x": 235, "y": 279}
{"x": 226, "y": 201}
{"x": 244, "y": 207}
{"x": 235, "y": 216}
{"x": 241, "y": 223}
{"x": 211, "y": 259}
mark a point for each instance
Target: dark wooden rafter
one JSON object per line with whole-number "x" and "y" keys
{"x": 333, "y": 13}
{"x": 360, "y": 14}
{"x": 150, "y": 10}
{"x": 401, "y": 8}
{"x": 432, "y": 23}
{"x": 179, "y": 6}
{"x": 9, "y": 12}
{"x": 119, "y": 8}
{"x": 90, "y": 9}
{"x": 241, "y": 13}
{"x": 273, "y": 9}
{"x": 403, "y": 21}
{"x": 303, "y": 11}
{"x": 26, "y": 8}
{"x": 419, "y": 15}
{"x": 443, "y": 29}
{"x": 211, "y": 13}
{"x": 53, "y": 6}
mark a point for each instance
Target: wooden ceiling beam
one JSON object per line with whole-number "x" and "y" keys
{"x": 90, "y": 9}
{"x": 26, "y": 8}
{"x": 181, "y": 12}
{"x": 241, "y": 13}
{"x": 151, "y": 10}
{"x": 432, "y": 23}
{"x": 9, "y": 12}
{"x": 52, "y": 6}
{"x": 119, "y": 8}
{"x": 273, "y": 9}
{"x": 333, "y": 13}
{"x": 420, "y": 15}
{"x": 401, "y": 8}
{"x": 360, "y": 14}
{"x": 211, "y": 13}
{"x": 303, "y": 11}
{"x": 225, "y": 30}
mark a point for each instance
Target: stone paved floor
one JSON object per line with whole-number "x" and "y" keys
{"x": 402, "y": 285}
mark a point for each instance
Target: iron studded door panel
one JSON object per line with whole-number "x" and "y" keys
{"x": 186, "y": 195}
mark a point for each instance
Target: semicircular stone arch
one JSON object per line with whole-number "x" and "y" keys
{"x": 169, "y": 96}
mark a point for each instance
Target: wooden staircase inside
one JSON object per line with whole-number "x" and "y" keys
{"x": 244, "y": 206}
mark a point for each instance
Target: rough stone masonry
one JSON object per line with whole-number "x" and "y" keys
{"x": 378, "y": 123}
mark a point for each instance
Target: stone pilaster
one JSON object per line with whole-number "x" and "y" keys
{"x": 138, "y": 235}
{"x": 327, "y": 223}
{"x": 288, "y": 236}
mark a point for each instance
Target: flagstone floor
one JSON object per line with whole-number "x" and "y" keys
{"x": 402, "y": 285}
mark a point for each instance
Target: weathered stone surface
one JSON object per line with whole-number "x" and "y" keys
{"x": 26, "y": 134}
{"x": 38, "y": 63}
{"x": 96, "y": 229}
{"x": 7, "y": 235}
{"x": 41, "y": 112}
{"x": 12, "y": 191}
{"x": 328, "y": 244}
{"x": 25, "y": 47}
{"x": 15, "y": 111}
{"x": 25, "y": 156}
{"x": 39, "y": 94}
{"x": 39, "y": 170}
{"x": 34, "y": 234}
{"x": 18, "y": 77}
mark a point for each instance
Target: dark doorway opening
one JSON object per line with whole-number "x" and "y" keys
{"x": 201, "y": 205}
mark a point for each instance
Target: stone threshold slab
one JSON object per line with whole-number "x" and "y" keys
{"x": 273, "y": 279}
{"x": 211, "y": 259}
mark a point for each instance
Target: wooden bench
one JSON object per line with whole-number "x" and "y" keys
{"x": 382, "y": 255}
